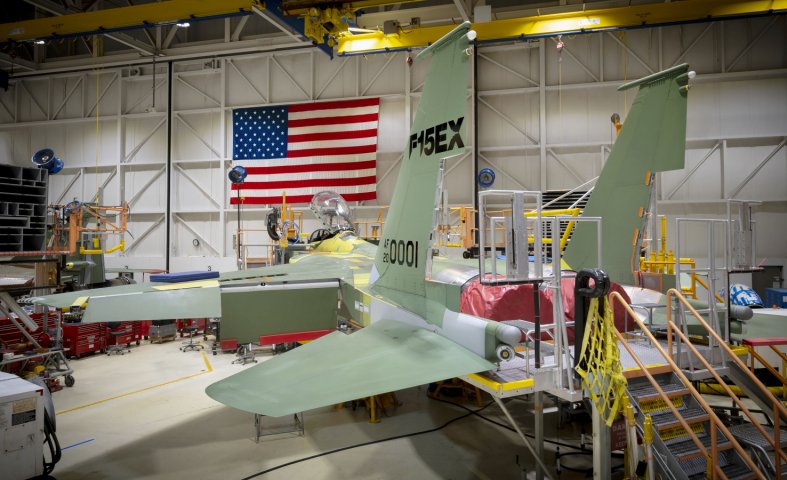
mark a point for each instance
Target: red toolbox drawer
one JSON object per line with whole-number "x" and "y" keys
{"x": 144, "y": 328}
{"x": 123, "y": 333}
{"x": 82, "y": 338}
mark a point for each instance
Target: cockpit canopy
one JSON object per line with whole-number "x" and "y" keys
{"x": 331, "y": 209}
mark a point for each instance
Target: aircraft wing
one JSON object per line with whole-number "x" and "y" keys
{"x": 383, "y": 357}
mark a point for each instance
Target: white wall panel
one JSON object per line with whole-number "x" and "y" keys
{"x": 247, "y": 81}
{"x": 33, "y": 100}
{"x": 194, "y": 90}
{"x": 139, "y": 96}
{"x": 337, "y": 78}
{"x": 290, "y": 77}
{"x": 145, "y": 139}
{"x": 198, "y": 186}
{"x": 8, "y": 104}
{"x": 146, "y": 234}
{"x": 197, "y": 135}
{"x": 381, "y": 74}
{"x": 145, "y": 188}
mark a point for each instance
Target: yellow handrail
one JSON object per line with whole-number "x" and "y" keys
{"x": 714, "y": 419}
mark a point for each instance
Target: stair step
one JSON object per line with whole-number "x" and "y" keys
{"x": 686, "y": 449}
{"x": 667, "y": 419}
{"x": 645, "y": 391}
{"x": 733, "y": 471}
{"x": 750, "y": 435}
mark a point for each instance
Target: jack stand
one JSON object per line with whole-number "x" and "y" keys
{"x": 245, "y": 355}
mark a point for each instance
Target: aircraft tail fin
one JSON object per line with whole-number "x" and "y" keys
{"x": 437, "y": 132}
{"x": 653, "y": 139}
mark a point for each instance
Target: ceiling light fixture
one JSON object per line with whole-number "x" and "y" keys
{"x": 183, "y": 24}
{"x": 39, "y": 42}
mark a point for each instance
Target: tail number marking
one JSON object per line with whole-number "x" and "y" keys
{"x": 401, "y": 252}
{"x": 435, "y": 139}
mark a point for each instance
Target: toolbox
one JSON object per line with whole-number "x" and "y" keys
{"x": 123, "y": 333}
{"x": 83, "y": 338}
{"x": 776, "y": 297}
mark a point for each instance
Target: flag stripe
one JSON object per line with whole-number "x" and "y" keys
{"x": 314, "y": 167}
{"x": 343, "y": 135}
{"x": 334, "y": 112}
{"x": 314, "y": 152}
{"x": 267, "y": 192}
{"x": 331, "y": 128}
{"x": 350, "y": 197}
{"x": 324, "y": 144}
{"x": 361, "y": 102}
{"x": 311, "y": 182}
{"x": 309, "y": 122}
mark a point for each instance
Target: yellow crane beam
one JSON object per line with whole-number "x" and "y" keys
{"x": 588, "y": 20}
{"x": 302, "y": 7}
{"x": 114, "y": 19}
{"x": 158, "y": 13}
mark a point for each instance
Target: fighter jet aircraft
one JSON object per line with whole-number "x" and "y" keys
{"x": 406, "y": 298}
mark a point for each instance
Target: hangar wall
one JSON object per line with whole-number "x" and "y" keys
{"x": 543, "y": 122}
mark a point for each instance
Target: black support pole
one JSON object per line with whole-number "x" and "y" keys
{"x": 169, "y": 159}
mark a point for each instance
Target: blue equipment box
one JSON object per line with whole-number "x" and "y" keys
{"x": 776, "y": 297}
{"x": 183, "y": 276}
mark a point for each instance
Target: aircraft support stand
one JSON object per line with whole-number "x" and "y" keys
{"x": 538, "y": 426}
{"x": 602, "y": 457}
{"x": 540, "y": 467}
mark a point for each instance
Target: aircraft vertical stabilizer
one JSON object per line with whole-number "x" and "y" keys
{"x": 653, "y": 139}
{"x": 437, "y": 132}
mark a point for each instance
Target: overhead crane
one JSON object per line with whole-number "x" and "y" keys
{"x": 327, "y": 24}
{"x": 583, "y": 19}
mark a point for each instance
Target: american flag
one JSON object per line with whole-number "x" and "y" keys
{"x": 306, "y": 148}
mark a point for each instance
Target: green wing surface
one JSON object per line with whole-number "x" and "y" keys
{"x": 198, "y": 302}
{"x": 384, "y": 357}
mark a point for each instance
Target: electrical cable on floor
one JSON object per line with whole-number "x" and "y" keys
{"x": 382, "y": 440}
{"x": 581, "y": 450}
{"x": 510, "y": 429}
{"x": 50, "y": 438}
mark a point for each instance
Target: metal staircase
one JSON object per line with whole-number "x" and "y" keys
{"x": 741, "y": 377}
{"x": 677, "y": 455}
{"x": 689, "y": 440}
{"x": 761, "y": 449}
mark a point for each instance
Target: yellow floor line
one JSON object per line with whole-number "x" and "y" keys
{"x": 207, "y": 364}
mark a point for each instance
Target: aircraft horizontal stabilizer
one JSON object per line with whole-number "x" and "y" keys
{"x": 142, "y": 302}
{"x": 383, "y": 357}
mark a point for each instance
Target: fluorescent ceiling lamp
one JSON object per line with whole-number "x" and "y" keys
{"x": 183, "y": 24}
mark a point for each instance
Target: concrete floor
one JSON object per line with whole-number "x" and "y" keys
{"x": 145, "y": 415}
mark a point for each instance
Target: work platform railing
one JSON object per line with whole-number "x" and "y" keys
{"x": 711, "y": 451}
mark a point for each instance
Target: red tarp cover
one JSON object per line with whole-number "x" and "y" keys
{"x": 515, "y": 302}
